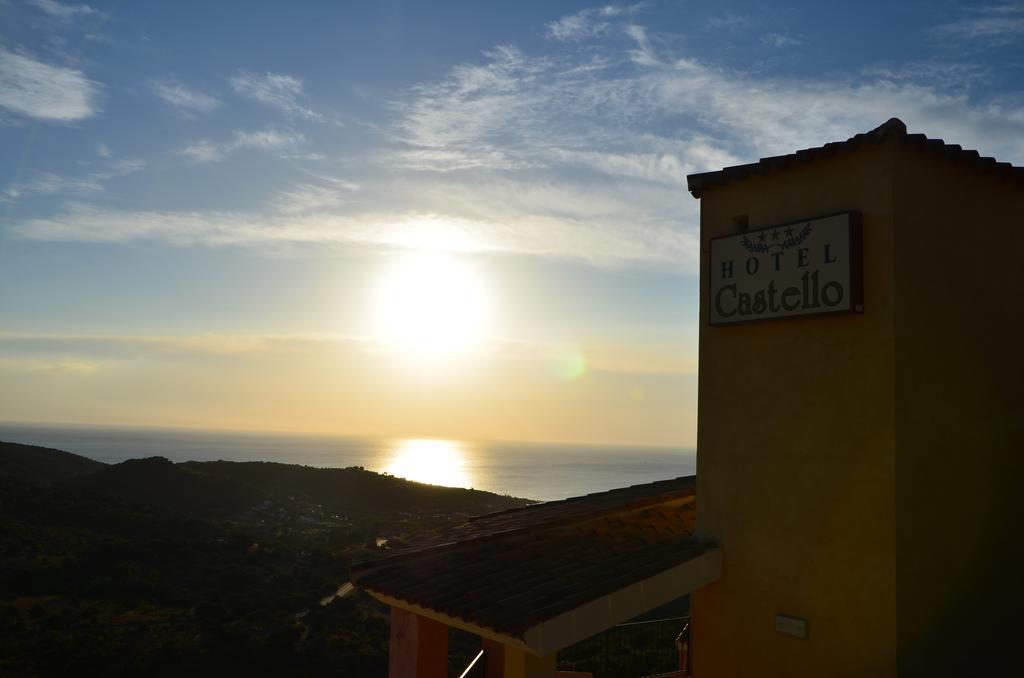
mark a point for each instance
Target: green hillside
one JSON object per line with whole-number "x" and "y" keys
{"x": 153, "y": 568}
{"x": 158, "y": 482}
{"x": 224, "y": 489}
{"x": 353, "y": 490}
{"x": 42, "y": 465}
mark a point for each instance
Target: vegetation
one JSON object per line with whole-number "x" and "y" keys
{"x": 149, "y": 567}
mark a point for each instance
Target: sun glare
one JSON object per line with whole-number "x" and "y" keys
{"x": 436, "y": 462}
{"x": 431, "y": 303}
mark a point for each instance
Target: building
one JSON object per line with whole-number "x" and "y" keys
{"x": 860, "y": 444}
{"x": 860, "y": 469}
{"x": 534, "y": 580}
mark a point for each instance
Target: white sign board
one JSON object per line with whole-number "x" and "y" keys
{"x": 803, "y": 268}
{"x": 791, "y": 626}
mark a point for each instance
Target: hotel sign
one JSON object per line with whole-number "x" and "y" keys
{"x": 804, "y": 268}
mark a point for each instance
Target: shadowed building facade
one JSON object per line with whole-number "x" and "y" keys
{"x": 860, "y": 470}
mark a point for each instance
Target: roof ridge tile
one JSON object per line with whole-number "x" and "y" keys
{"x": 893, "y": 128}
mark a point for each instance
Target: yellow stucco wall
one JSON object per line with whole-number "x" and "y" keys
{"x": 796, "y": 440}
{"x": 960, "y": 417}
{"x": 863, "y": 471}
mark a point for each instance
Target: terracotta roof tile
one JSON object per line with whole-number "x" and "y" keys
{"x": 891, "y": 129}
{"x": 509, "y": 571}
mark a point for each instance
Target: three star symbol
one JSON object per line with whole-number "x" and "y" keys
{"x": 776, "y": 234}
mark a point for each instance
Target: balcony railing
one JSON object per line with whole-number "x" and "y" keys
{"x": 629, "y": 650}
{"x": 475, "y": 669}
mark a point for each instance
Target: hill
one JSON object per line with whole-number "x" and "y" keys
{"x": 42, "y": 465}
{"x": 153, "y": 568}
{"x": 225, "y": 489}
{"x": 157, "y": 481}
{"x": 354, "y": 490}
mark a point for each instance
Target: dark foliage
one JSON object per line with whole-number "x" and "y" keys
{"x": 154, "y": 568}
{"x": 41, "y": 465}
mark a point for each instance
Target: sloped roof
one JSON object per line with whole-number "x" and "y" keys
{"x": 512, "y": 571}
{"x": 894, "y": 128}
{"x": 573, "y": 509}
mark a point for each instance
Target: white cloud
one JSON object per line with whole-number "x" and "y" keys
{"x": 49, "y": 183}
{"x": 184, "y": 98}
{"x": 60, "y": 365}
{"x": 88, "y": 352}
{"x": 126, "y": 166}
{"x": 265, "y": 140}
{"x": 464, "y": 121}
{"x": 282, "y": 92}
{"x": 62, "y": 11}
{"x": 33, "y": 349}
{"x": 37, "y": 90}
{"x": 668, "y": 168}
{"x": 560, "y": 155}
{"x": 579, "y": 142}
{"x": 517, "y": 112}
{"x": 644, "y": 53}
{"x": 592, "y": 238}
{"x": 314, "y": 197}
{"x": 305, "y": 156}
{"x": 947, "y": 75}
{"x": 587, "y": 23}
{"x": 729, "y": 22}
{"x": 204, "y": 151}
{"x": 779, "y": 40}
{"x": 103, "y": 150}
{"x": 996, "y": 24}
{"x": 781, "y": 115}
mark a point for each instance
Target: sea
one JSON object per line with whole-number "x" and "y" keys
{"x": 541, "y": 471}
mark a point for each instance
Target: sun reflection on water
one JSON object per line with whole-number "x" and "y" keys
{"x": 436, "y": 462}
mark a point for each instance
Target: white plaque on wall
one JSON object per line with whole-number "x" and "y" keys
{"x": 791, "y": 626}
{"x": 802, "y": 268}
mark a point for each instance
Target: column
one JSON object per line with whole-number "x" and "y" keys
{"x": 419, "y": 646}
{"x": 502, "y": 661}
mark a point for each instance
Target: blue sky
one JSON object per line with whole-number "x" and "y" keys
{"x": 190, "y": 184}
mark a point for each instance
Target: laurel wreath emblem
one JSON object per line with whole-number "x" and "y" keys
{"x": 790, "y": 241}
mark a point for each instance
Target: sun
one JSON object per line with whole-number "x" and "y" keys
{"x": 431, "y": 303}
{"x": 435, "y": 462}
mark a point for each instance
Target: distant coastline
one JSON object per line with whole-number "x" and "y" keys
{"x": 543, "y": 471}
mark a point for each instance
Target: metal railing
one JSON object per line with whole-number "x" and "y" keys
{"x": 472, "y": 665}
{"x": 628, "y": 650}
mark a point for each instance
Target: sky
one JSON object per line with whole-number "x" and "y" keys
{"x": 446, "y": 219}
